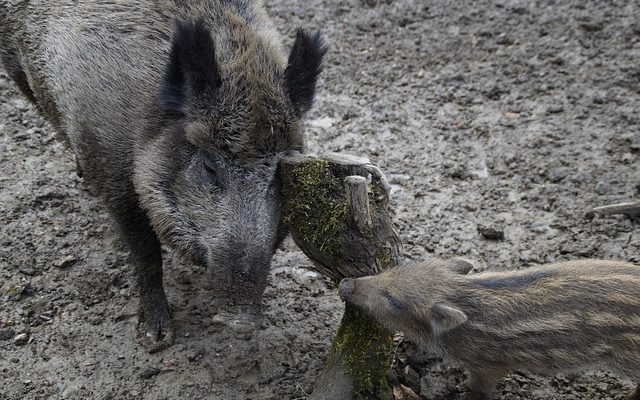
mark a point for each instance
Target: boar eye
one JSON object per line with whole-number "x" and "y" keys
{"x": 211, "y": 168}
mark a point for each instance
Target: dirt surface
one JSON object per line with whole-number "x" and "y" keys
{"x": 498, "y": 123}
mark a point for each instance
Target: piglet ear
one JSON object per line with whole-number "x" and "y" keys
{"x": 445, "y": 318}
{"x": 305, "y": 64}
{"x": 192, "y": 77}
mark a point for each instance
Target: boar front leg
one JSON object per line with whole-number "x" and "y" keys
{"x": 154, "y": 319}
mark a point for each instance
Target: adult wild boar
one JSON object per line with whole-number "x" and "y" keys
{"x": 569, "y": 316}
{"x": 177, "y": 112}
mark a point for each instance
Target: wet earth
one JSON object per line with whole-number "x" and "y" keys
{"x": 498, "y": 123}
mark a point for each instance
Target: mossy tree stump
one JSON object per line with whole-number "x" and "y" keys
{"x": 337, "y": 209}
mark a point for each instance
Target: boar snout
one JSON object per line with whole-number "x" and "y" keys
{"x": 246, "y": 256}
{"x": 345, "y": 289}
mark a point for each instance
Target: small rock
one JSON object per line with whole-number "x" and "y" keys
{"x": 412, "y": 378}
{"x": 21, "y": 339}
{"x": 6, "y": 334}
{"x": 28, "y": 270}
{"x": 404, "y": 22}
{"x": 20, "y": 104}
{"x": 539, "y": 227}
{"x": 602, "y": 188}
{"x": 557, "y": 174}
{"x": 398, "y": 179}
{"x": 592, "y": 26}
{"x": 555, "y": 109}
{"x": 491, "y": 232}
{"x": 495, "y": 92}
{"x": 324, "y": 122}
{"x": 65, "y": 262}
{"x": 149, "y": 372}
{"x": 511, "y": 115}
{"x": 196, "y": 355}
{"x": 504, "y": 39}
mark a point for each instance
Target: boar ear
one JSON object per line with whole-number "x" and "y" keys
{"x": 305, "y": 64}
{"x": 192, "y": 74}
{"x": 444, "y": 318}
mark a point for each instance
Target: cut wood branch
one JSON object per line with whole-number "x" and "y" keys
{"x": 337, "y": 209}
{"x": 631, "y": 209}
{"x": 358, "y": 202}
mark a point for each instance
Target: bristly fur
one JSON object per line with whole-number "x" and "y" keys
{"x": 561, "y": 317}
{"x": 305, "y": 65}
{"x": 178, "y": 113}
{"x": 192, "y": 67}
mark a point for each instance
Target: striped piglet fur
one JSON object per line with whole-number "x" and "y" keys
{"x": 564, "y": 317}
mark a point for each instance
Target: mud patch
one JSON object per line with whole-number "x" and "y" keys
{"x": 503, "y": 114}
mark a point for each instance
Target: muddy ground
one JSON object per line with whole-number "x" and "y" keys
{"x": 486, "y": 115}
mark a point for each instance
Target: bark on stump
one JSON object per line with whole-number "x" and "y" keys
{"x": 337, "y": 209}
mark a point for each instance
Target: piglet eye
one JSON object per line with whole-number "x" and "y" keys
{"x": 393, "y": 302}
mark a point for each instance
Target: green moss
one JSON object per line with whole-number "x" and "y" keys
{"x": 315, "y": 209}
{"x": 367, "y": 348}
{"x": 378, "y": 195}
{"x": 318, "y": 210}
{"x": 383, "y": 257}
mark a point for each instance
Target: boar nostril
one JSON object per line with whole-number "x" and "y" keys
{"x": 345, "y": 288}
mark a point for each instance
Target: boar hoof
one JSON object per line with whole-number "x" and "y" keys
{"x": 155, "y": 329}
{"x": 241, "y": 319}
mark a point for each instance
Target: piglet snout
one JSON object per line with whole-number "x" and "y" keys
{"x": 345, "y": 288}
